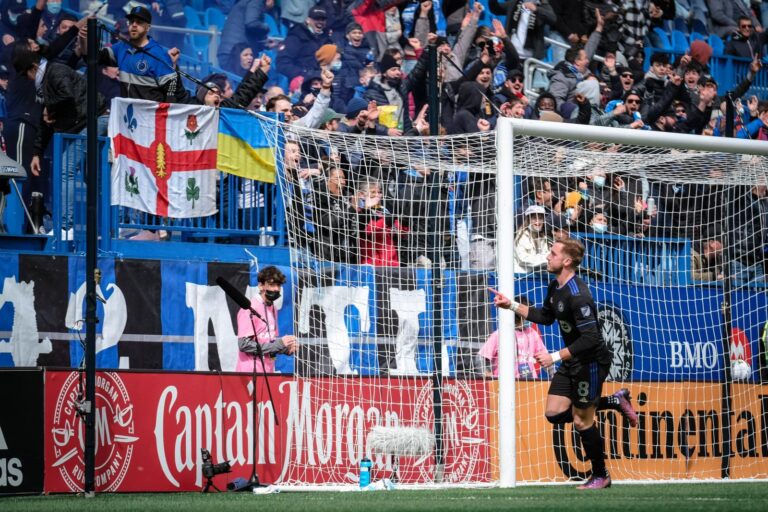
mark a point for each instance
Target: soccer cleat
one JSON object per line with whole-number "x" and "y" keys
{"x": 596, "y": 482}
{"x": 626, "y": 406}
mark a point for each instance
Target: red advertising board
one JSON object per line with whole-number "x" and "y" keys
{"x": 150, "y": 428}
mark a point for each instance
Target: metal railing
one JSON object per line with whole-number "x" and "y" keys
{"x": 644, "y": 261}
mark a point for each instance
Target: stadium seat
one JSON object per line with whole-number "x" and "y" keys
{"x": 666, "y": 44}
{"x": 196, "y": 44}
{"x": 276, "y": 29}
{"x": 193, "y": 16}
{"x": 679, "y": 42}
{"x": 717, "y": 44}
{"x": 214, "y": 16}
{"x": 695, "y": 36}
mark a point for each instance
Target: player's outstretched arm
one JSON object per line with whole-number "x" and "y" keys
{"x": 502, "y": 301}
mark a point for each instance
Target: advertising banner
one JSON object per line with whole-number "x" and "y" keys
{"x": 171, "y": 315}
{"x": 150, "y": 428}
{"x": 680, "y": 434}
{"x": 21, "y": 432}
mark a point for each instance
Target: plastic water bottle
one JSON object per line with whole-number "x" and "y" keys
{"x": 365, "y": 472}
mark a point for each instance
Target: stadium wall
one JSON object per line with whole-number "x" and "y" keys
{"x": 152, "y": 425}
{"x": 170, "y": 315}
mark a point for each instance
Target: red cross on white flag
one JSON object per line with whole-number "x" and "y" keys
{"x": 164, "y": 157}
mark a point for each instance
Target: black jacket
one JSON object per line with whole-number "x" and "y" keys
{"x": 64, "y": 97}
{"x": 544, "y": 15}
{"x": 741, "y": 46}
{"x": 297, "y": 57}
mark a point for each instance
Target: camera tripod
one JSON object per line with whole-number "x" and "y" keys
{"x": 208, "y": 484}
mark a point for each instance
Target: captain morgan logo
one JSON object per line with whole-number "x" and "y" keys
{"x": 462, "y": 432}
{"x": 114, "y": 434}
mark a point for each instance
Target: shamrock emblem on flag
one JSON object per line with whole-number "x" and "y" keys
{"x": 193, "y": 191}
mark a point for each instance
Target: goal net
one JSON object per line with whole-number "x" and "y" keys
{"x": 396, "y": 240}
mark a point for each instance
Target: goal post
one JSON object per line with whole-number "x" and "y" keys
{"x": 695, "y": 346}
{"x": 395, "y": 241}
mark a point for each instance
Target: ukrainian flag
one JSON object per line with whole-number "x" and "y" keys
{"x": 244, "y": 149}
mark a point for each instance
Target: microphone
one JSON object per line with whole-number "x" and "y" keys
{"x": 234, "y": 294}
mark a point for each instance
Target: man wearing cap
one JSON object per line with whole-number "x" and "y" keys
{"x": 391, "y": 89}
{"x": 146, "y": 69}
{"x": 297, "y": 56}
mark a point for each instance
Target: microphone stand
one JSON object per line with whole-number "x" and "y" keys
{"x": 254, "y": 482}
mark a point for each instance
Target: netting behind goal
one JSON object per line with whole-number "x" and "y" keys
{"x": 394, "y": 242}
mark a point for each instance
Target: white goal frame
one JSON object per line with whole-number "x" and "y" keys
{"x": 506, "y": 131}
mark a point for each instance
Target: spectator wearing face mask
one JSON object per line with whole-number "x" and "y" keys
{"x": 10, "y": 10}
{"x": 297, "y": 56}
{"x": 599, "y": 224}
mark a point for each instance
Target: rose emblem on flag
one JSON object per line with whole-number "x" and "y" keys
{"x": 192, "y": 130}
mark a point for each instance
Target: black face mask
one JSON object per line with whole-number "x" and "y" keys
{"x": 394, "y": 82}
{"x": 271, "y": 296}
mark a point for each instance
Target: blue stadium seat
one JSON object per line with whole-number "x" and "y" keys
{"x": 193, "y": 16}
{"x": 666, "y": 44}
{"x": 695, "y": 36}
{"x": 679, "y": 42}
{"x": 197, "y": 45}
{"x": 717, "y": 44}
{"x": 214, "y": 16}
{"x": 276, "y": 29}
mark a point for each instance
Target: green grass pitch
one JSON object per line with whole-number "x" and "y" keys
{"x": 742, "y": 497}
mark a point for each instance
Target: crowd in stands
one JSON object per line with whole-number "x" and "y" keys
{"x": 362, "y": 67}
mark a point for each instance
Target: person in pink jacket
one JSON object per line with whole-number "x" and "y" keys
{"x": 270, "y": 281}
{"x": 529, "y": 342}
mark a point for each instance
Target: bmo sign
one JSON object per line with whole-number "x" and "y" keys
{"x": 695, "y": 356}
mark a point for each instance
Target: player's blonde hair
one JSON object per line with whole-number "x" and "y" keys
{"x": 574, "y": 249}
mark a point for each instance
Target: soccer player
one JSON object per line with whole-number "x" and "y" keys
{"x": 574, "y": 393}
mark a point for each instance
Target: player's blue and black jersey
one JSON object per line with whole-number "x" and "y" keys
{"x": 574, "y": 309}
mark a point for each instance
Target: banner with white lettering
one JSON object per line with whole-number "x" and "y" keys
{"x": 150, "y": 428}
{"x": 171, "y": 315}
{"x": 21, "y": 432}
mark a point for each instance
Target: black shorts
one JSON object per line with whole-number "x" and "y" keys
{"x": 583, "y": 386}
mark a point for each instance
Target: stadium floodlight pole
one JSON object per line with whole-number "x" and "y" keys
{"x": 433, "y": 92}
{"x": 92, "y": 180}
{"x": 505, "y": 227}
